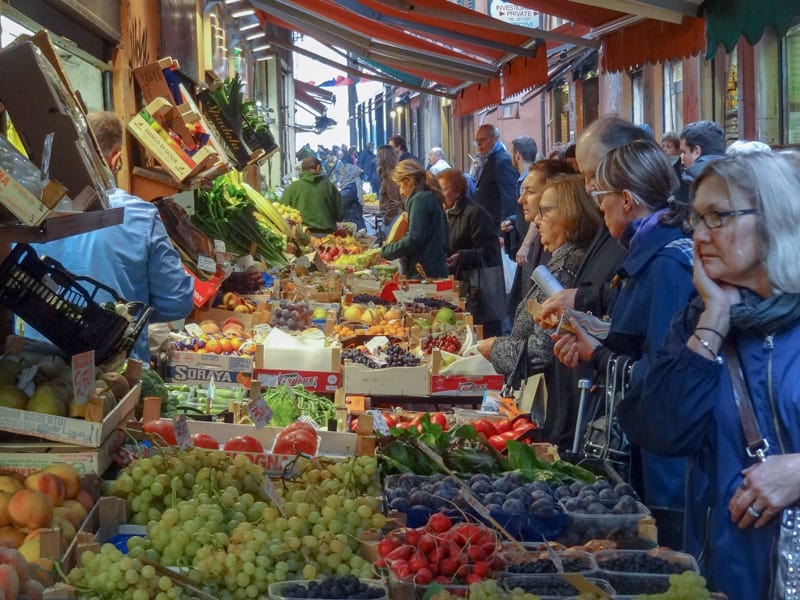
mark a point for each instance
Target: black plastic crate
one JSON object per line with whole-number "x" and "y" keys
{"x": 64, "y": 308}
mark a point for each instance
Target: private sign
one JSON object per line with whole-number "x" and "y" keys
{"x": 514, "y": 14}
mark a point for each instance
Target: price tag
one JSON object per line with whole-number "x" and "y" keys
{"x": 269, "y": 490}
{"x": 182, "y": 432}
{"x": 308, "y": 420}
{"x": 193, "y": 329}
{"x": 83, "y": 376}
{"x": 490, "y": 402}
{"x": 260, "y": 412}
{"x": 379, "y": 424}
{"x": 219, "y": 246}
{"x": 269, "y": 381}
{"x": 207, "y": 264}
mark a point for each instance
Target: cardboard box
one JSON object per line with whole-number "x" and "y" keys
{"x": 27, "y": 458}
{"x": 194, "y": 367}
{"x": 148, "y": 129}
{"x": 41, "y": 102}
{"x": 392, "y": 381}
{"x": 461, "y": 385}
{"x": 318, "y": 369}
{"x": 65, "y": 429}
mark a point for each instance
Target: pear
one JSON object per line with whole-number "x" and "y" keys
{"x": 48, "y": 399}
{"x": 12, "y": 397}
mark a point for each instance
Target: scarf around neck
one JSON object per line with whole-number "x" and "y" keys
{"x": 766, "y": 315}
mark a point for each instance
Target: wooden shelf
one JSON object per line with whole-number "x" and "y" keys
{"x": 62, "y": 225}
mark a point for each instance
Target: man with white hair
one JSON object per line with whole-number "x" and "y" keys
{"x": 436, "y": 161}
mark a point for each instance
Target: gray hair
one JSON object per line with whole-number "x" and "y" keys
{"x": 642, "y": 168}
{"x": 438, "y": 152}
{"x": 770, "y": 181}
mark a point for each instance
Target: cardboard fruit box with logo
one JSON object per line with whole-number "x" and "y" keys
{"x": 289, "y": 360}
{"x": 195, "y": 367}
{"x": 472, "y": 377}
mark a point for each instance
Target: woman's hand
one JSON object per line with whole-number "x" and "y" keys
{"x": 506, "y": 226}
{"x": 716, "y": 296}
{"x": 485, "y": 347}
{"x": 522, "y": 254}
{"x": 767, "y": 488}
{"x": 452, "y": 260}
{"x": 555, "y": 306}
{"x": 571, "y": 348}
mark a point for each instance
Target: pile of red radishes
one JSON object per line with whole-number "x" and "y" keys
{"x": 458, "y": 553}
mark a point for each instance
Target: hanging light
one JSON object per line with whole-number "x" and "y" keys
{"x": 238, "y": 14}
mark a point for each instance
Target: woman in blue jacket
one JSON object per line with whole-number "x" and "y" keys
{"x": 635, "y": 184}
{"x": 746, "y": 220}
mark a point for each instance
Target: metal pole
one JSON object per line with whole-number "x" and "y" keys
{"x": 583, "y": 386}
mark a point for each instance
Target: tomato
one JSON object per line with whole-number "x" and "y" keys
{"x": 522, "y": 423}
{"x": 415, "y": 422}
{"x": 244, "y": 443}
{"x": 439, "y": 419}
{"x": 486, "y": 427}
{"x": 497, "y": 442}
{"x": 509, "y": 435}
{"x": 523, "y": 429}
{"x": 162, "y": 428}
{"x": 204, "y": 440}
{"x": 296, "y": 440}
{"x": 391, "y": 421}
{"x": 503, "y": 426}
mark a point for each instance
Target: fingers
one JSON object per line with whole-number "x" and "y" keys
{"x": 750, "y": 508}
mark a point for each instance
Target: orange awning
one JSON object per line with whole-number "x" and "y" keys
{"x": 651, "y": 42}
{"x": 523, "y": 74}
{"x": 477, "y": 97}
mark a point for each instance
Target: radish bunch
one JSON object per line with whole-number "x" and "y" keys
{"x": 458, "y": 553}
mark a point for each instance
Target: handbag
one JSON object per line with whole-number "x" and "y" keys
{"x": 786, "y": 580}
{"x": 480, "y": 288}
{"x": 529, "y": 391}
{"x": 604, "y": 440}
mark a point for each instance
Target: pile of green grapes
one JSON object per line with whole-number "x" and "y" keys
{"x": 682, "y": 586}
{"x": 488, "y": 589}
{"x": 233, "y": 542}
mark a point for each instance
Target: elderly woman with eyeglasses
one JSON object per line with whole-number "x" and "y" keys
{"x": 567, "y": 221}
{"x": 746, "y": 220}
{"x": 635, "y": 185}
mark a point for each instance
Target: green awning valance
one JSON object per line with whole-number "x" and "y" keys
{"x": 727, "y": 20}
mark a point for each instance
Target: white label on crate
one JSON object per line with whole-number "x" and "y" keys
{"x": 379, "y": 424}
{"x": 182, "y": 434}
{"x": 269, "y": 489}
{"x": 245, "y": 262}
{"x": 376, "y": 343}
{"x": 219, "y": 246}
{"x": 25, "y": 380}
{"x": 83, "y": 376}
{"x": 269, "y": 381}
{"x": 491, "y": 401}
{"x": 207, "y": 264}
{"x": 260, "y": 412}
{"x": 193, "y": 329}
{"x": 308, "y": 420}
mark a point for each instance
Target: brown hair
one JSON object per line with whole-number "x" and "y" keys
{"x": 576, "y": 207}
{"x": 456, "y": 179}
{"x": 310, "y": 163}
{"x": 107, "y": 129}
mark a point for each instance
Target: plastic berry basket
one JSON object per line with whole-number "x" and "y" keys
{"x": 537, "y": 561}
{"x": 283, "y": 590}
{"x": 633, "y": 571}
{"x": 550, "y": 586}
{"x": 65, "y": 308}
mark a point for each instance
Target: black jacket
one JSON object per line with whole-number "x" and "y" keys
{"x": 470, "y": 233}
{"x": 497, "y": 187}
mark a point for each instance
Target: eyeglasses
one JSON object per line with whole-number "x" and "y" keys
{"x": 597, "y": 195}
{"x": 716, "y": 218}
{"x": 544, "y": 209}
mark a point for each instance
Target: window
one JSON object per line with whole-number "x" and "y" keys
{"x": 673, "y": 96}
{"x": 792, "y": 50}
{"x": 637, "y": 97}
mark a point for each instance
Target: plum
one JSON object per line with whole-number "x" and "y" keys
{"x": 401, "y": 504}
{"x": 513, "y": 505}
{"x": 503, "y": 485}
{"x": 542, "y": 508}
{"x": 494, "y": 498}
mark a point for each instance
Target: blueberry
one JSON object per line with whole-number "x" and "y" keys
{"x": 542, "y": 508}
{"x": 520, "y": 494}
{"x": 596, "y": 508}
{"x": 400, "y": 504}
{"x": 576, "y": 487}
{"x": 482, "y": 487}
{"x": 503, "y": 485}
{"x": 563, "y": 492}
{"x": 607, "y": 494}
{"x": 540, "y": 486}
{"x": 624, "y": 489}
{"x": 494, "y": 498}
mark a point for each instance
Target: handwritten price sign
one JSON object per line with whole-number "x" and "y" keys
{"x": 83, "y": 376}
{"x": 182, "y": 434}
{"x": 260, "y": 412}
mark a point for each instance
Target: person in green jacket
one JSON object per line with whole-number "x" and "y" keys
{"x": 316, "y": 197}
{"x": 425, "y": 241}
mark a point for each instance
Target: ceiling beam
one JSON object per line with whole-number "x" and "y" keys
{"x": 690, "y": 8}
{"x": 354, "y": 41}
{"x": 480, "y": 20}
{"x": 636, "y": 8}
{"x": 435, "y": 91}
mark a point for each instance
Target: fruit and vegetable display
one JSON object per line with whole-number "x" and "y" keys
{"x": 243, "y": 283}
{"x": 290, "y": 403}
{"x": 290, "y": 215}
{"x": 294, "y": 316}
{"x": 390, "y": 355}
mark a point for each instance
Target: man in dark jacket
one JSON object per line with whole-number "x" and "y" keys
{"x": 398, "y": 144}
{"x": 497, "y": 177}
{"x": 316, "y": 197}
{"x": 701, "y": 143}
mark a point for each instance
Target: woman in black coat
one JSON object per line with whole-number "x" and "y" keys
{"x": 472, "y": 244}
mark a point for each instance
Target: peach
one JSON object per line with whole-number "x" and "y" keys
{"x": 16, "y": 560}
{"x": 31, "y": 550}
{"x": 10, "y": 485}
{"x": 76, "y": 510}
{"x": 68, "y": 476}
{"x": 9, "y": 582}
{"x": 5, "y": 498}
{"x": 32, "y": 589}
{"x": 12, "y": 536}
{"x": 86, "y": 500}
{"x": 47, "y": 483}
{"x": 31, "y": 509}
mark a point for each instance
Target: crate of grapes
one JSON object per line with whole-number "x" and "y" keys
{"x": 76, "y": 313}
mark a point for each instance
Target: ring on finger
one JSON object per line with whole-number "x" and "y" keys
{"x": 744, "y": 485}
{"x": 753, "y": 511}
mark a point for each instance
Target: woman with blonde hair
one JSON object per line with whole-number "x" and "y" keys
{"x": 567, "y": 220}
{"x": 424, "y": 245}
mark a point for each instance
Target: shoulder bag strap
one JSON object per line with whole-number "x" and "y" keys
{"x": 757, "y": 447}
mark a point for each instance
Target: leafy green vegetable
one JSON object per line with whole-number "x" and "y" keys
{"x": 523, "y": 458}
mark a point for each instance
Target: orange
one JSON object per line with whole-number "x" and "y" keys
{"x": 213, "y": 346}
{"x": 226, "y": 345}
{"x": 236, "y": 343}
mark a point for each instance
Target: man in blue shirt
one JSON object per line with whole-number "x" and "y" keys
{"x": 135, "y": 258}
